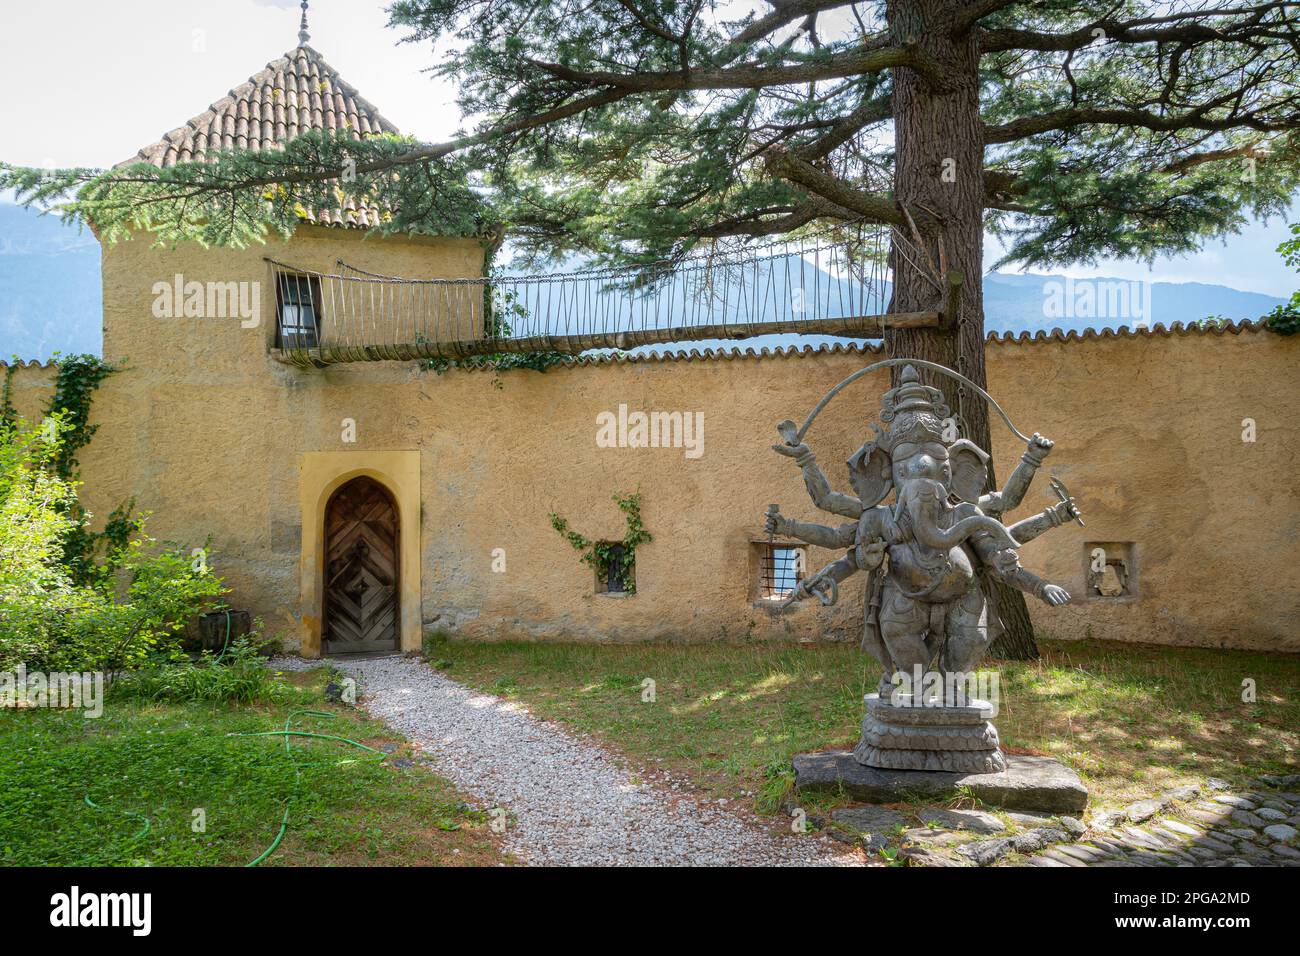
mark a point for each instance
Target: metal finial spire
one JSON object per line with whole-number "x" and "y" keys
{"x": 303, "y": 35}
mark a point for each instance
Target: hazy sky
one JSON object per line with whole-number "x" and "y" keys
{"x": 91, "y": 82}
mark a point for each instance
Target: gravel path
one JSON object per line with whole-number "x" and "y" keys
{"x": 574, "y": 803}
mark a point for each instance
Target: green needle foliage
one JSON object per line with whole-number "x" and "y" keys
{"x": 243, "y": 197}
{"x": 637, "y": 130}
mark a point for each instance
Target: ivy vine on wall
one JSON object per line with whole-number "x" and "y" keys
{"x": 78, "y": 377}
{"x": 91, "y": 556}
{"x": 8, "y": 415}
{"x": 600, "y": 555}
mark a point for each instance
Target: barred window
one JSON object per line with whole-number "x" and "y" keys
{"x": 298, "y": 311}
{"x": 782, "y": 568}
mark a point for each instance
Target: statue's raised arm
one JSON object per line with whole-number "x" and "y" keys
{"x": 814, "y": 479}
{"x": 1013, "y": 492}
{"x": 819, "y": 534}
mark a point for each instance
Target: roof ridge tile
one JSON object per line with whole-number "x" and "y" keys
{"x": 1024, "y": 337}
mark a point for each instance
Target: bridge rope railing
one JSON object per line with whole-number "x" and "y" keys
{"x": 836, "y": 282}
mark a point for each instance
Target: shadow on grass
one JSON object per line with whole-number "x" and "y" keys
{"x": 1130, "y": 718}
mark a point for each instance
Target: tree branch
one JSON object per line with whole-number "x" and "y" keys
{"x": 1142, "y": 119}
{"x": 1183, "y": 26}
{"x": 1249, "y": 150}
{"x": 752, "y": 77}
{"x": 784, "y": 12}
{"x": 846, "y": 127}
{"x": 814, "y": 207}
{"x": 973, "y": 12}
{"x": 791, "y": 168}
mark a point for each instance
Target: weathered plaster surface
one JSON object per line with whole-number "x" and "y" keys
{"x": 211, "y": 435}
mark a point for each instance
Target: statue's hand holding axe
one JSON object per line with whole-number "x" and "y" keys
{"x": 822, "y": 585}
{"x": 1066, "y": 509}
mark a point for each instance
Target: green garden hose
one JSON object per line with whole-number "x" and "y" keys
{"x": 126, "y": 813}
{"x": 218, "y": 658}
{"x": 284, "y": 825}
{"x": 303, "y": 733}
{"x": 286, "y": 733}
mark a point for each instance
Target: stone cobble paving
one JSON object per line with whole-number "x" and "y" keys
{"x": 1208, "y": 825}
{"x": 1214, "y": 825}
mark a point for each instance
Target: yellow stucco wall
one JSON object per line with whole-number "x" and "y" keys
{"x": 211, "y": 436}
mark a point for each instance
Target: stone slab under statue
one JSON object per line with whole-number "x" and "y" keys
{"x": 1028, "y": 783}
{"x": 927, "y": 553}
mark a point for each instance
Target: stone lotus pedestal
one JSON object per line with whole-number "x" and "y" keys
{"x": 904, "y": 734}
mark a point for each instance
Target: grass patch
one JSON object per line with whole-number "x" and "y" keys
{"x": 161, "y": 761}
{"x": 1131, "y": 719}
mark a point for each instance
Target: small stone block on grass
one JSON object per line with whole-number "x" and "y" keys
{"x": 974, "y": 820}
{"x": 1144, "y": 810}
{"x": 869, "y": 820}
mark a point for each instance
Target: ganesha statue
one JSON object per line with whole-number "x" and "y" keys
{"x": 927, "y": 553}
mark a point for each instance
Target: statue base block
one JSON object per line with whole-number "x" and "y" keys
{"x": 907, "y": 736}
{"x": 1027, "y": 783}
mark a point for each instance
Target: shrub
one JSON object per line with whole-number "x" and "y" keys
{"x": 137, "y": 600}
{"x": 1285, "y": 318}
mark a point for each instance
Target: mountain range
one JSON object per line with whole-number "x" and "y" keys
{"x": 51, "y": 296}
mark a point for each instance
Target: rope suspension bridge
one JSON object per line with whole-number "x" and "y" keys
{"x": 834, "y": 283}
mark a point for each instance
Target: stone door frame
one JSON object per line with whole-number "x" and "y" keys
{"x": 320, "y": 475}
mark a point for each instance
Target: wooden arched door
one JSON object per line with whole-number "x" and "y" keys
{"x": 361, "y": 580}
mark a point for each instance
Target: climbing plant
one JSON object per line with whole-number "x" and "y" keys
{"x": 8, "y": 415}
{"x": 78, "y": 377}
{"x": 601, "y": 555}
{"x": 91, "y": 557}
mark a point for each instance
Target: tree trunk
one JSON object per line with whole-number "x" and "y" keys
{"x": 1014, "y": 638}
{"x": 938, "y": 183}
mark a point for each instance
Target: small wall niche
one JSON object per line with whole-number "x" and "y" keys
{"x": 611, "y": 583}
{"x": 1111, "y": 570}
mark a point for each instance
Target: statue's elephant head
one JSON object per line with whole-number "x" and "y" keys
{"x": 963, "y": 467}
{"x": 926, "y": 474}
{"x": 870, "y": 472}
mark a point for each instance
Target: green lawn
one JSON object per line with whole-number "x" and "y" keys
{"x": 1131, "y": 719}
{"x": 161, "y": 762}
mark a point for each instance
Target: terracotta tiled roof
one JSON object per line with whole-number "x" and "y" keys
{"x": 1159, "y": 330}
{"x": 293, "y": 94}
{"x": 30, "y": 363}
